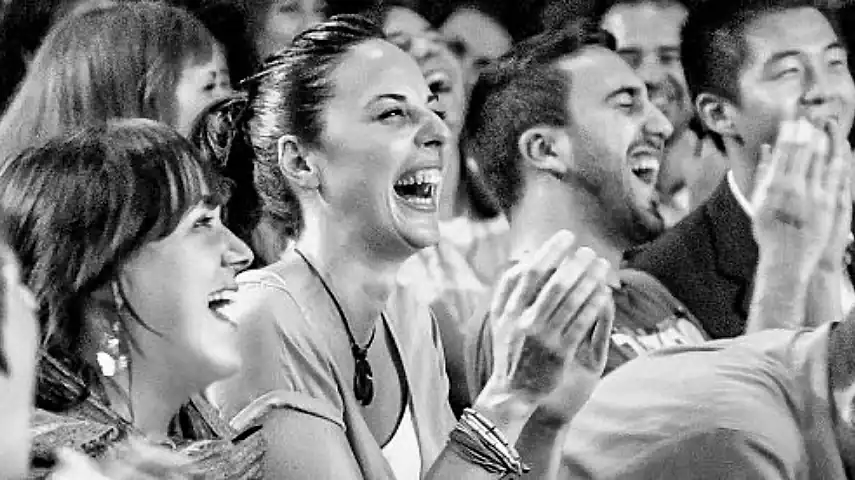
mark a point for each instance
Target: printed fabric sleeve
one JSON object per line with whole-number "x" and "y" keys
{"x": 285, "y": 364}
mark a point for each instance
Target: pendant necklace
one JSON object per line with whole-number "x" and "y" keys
{"x": 363, "y": 379}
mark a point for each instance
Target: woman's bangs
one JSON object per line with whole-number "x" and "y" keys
{"x": 187, "y": 184}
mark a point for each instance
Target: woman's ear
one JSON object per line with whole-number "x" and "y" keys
{"x": 295, "y": 163}
{"x": 546, "y": 148}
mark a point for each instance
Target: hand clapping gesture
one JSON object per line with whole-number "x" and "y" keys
{"x": 552, "y": 318}
{"x": 802, "y": 204}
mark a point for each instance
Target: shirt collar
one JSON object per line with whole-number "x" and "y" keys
{"x": 737, "y": 194}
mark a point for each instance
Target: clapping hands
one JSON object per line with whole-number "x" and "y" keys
{"x": 552, "y": 318}
{"x": 802, "y": 205}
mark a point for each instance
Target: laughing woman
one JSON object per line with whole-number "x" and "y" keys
{"x": 119, "y": 236}
{"x": 348, "y": 377}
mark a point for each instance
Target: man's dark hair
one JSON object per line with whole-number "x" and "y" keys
{"x": 713, "y": 42}
{"x": 521, "y": 90}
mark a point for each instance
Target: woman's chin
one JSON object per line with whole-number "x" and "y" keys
{"x": 417, "y": 225}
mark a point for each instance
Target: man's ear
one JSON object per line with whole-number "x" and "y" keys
{"x": 717, "y": 114}
{"x": 546, "y": 148}
{"x": 295, "y": 163}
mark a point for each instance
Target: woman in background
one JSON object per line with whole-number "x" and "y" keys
{"x": 145, "y": 60}
{"x": 119, "y": 233}
{"x": 23, "y": 26}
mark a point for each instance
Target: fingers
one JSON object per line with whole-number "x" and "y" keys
{"x": 840, "y": 159}
{"x": 563, "y": 281}
{"x": 603, "y": 331}
{"x": 520, "y": 286}
{"x": 574, "y": 317}
{"x": 796, "y": 147}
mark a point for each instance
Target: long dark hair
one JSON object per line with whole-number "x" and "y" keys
{"x": 78, "y": 207}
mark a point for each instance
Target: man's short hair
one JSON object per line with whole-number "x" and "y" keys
{"x": 522, "y": 89}
{"x": 713, "y": 41}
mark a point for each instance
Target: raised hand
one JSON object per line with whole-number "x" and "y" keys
{"x": 794, "y": 205}
{"x": 551, "y": 318}
{"x": 832, "y": 257}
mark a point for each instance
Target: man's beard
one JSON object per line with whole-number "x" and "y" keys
{"x": 643, "y": 226}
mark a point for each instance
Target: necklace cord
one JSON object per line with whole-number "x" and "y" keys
{"x": 363, "y": 383}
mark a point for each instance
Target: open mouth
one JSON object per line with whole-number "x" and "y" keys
{"x": 645, "y": 168}
{"x": 219, "y": 300}
{"x": 420, "y": 188}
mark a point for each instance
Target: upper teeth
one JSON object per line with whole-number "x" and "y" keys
{"x": 222, "y": 296}
{"x": 429, "y": 175}
{"x": 646, "y": 164}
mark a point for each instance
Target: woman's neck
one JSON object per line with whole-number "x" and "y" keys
{"x": 149, "y": 402}
{"x": 143, "y": 394}
{"x": 360, "y": 281}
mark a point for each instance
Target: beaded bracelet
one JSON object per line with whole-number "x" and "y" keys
{"x": 478, "y": 441}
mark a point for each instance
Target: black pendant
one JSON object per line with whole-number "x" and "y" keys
{"x": 363, "y": 379}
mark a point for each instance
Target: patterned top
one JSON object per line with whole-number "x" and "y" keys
{"x": 217, "y": 452}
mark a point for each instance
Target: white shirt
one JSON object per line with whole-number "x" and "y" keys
{"x": 847, "y": 292}
{"x": 402, "y": 452}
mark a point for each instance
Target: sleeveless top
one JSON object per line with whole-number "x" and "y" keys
{"x": 307, "y": 363}
{"x": 216, "y": 451}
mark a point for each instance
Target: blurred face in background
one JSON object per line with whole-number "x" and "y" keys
{"x": 283, "y": 20}
{"x": 200, "y": 85}
{"x": 648, "y": 39}
{"x": 443, "y": 72}
{"x": 482, "y": 39}
{"x": 444, "y": 75}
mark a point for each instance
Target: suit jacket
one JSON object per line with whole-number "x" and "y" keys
{"x": 708, "y": 262}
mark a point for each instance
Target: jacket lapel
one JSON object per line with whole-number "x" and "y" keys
{"x": 733, "y": 243}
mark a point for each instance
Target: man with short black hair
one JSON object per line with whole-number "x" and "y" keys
{"x": 648, "y": 39}
{"x": 776, "y": 404}
{"x": 750, "y": 65}
{"x": 566, "y": 137}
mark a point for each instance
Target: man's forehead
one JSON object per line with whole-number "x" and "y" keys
{"x": 598, "y": 71}
{"x": 645, "y": 23}
{"x": 797, "y": 29}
